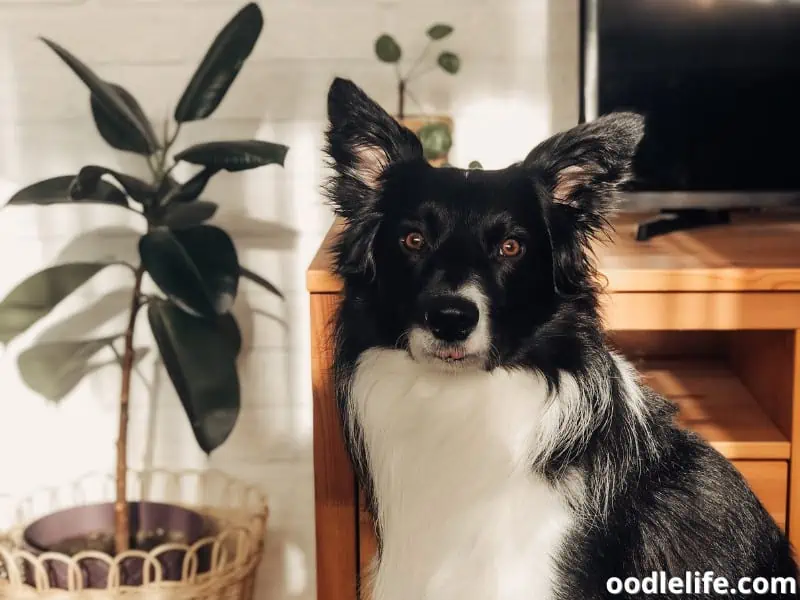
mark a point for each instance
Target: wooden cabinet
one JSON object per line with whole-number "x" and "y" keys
{"x": 710, "y": 317}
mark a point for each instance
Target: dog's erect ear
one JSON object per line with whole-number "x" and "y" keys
{"x": 363, "y": 140}
{"x": 584, "y": 166}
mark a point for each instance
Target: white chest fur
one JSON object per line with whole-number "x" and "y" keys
{"x": 463, "y": 517}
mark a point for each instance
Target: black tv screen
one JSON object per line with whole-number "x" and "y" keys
{"x": 717, "y": 80}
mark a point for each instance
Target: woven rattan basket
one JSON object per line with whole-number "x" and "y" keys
{"x": 236, "y": 512}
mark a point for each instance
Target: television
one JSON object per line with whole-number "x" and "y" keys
{"x": 718, "y": 82}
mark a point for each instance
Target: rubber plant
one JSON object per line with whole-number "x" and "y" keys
{"x": 435, "y": 136}
{"x": 194, "y": 264}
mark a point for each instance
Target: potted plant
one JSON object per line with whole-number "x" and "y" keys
{"x": 434, "y": 131}
{"x": 195, "y": 268}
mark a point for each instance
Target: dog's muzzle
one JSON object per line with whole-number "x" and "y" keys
{"x": 452, "y": 329}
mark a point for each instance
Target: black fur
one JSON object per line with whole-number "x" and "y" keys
{"x": 657, "y": 497}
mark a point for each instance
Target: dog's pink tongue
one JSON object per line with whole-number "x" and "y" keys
{"x": 454, "y": 354}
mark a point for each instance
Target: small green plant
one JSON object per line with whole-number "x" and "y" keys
{"x": 435, "y": 136}
{"x": 194, "y": 264}
{"x": 388, "y": 50}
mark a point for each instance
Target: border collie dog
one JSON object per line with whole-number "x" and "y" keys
{"x": 506, "y": 451}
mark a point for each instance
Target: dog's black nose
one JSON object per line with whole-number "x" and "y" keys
{"x": 451, "y": 318}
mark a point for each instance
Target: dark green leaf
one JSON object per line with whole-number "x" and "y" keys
{"x": 201, "y": 363}
{"x": 194, "y": 186}
{"x": 178, "y": 216}
{"x": 197, "y": 268}
{"x": 475, "y": 165}
{"x": 256, "y": 278}
{"x": 234, "y": 155}
{"x": 56, "y": 191}
{"x": 106, "y": 95}
{"x": 221, "y": 65}
{"x": 119, "y": 133}
{"x": 439, "y": 31}
{"x": 88, "y": 180}
{"x": 449, "y": 62}
{"x": 387, "y": 49}
{"x": 230, "y": 330}
{"x": 37, "y": 295}
{"x": 436, "y": 139}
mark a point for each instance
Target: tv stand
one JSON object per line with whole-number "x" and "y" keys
{"x": 668, "y": 221}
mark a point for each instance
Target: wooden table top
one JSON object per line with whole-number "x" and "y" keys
{"x": 753, "y": 253}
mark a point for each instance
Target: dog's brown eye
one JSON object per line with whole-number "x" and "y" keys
{"x": 413, "y": 241}
{"x": 510, "y": 248}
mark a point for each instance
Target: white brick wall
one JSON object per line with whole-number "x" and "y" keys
{"x": 518, "y": 84}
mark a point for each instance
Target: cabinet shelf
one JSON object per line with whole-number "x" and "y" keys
{"x": 714, "y": 403}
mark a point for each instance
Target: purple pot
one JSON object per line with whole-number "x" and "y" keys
{"x": 44, "y": 534}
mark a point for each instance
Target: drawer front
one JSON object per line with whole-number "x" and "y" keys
{"x": 686, "y": 311}
{"x": 769, "y": 480}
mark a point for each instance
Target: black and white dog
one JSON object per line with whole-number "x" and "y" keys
{"x": 507, "y": 452}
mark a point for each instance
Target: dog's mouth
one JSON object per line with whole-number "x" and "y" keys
{"x": 454, "y": 358}
{"x": 450, "y": 354}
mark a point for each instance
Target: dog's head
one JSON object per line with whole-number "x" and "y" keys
{"x": 470, "y": 268}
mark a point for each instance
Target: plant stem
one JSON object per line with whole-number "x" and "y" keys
{"x": 122, "y": 529}
{"x": 122, "y": 526}
{"x": 153, "y": 168}
{"x": 418, "y": 61}
{"x": 401, "y": 98}
{"x": 169, "y": 141}
{"x": 415, "y": 101}
{"x": 174, "y": 136}
{"x": 430, "y": 69}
